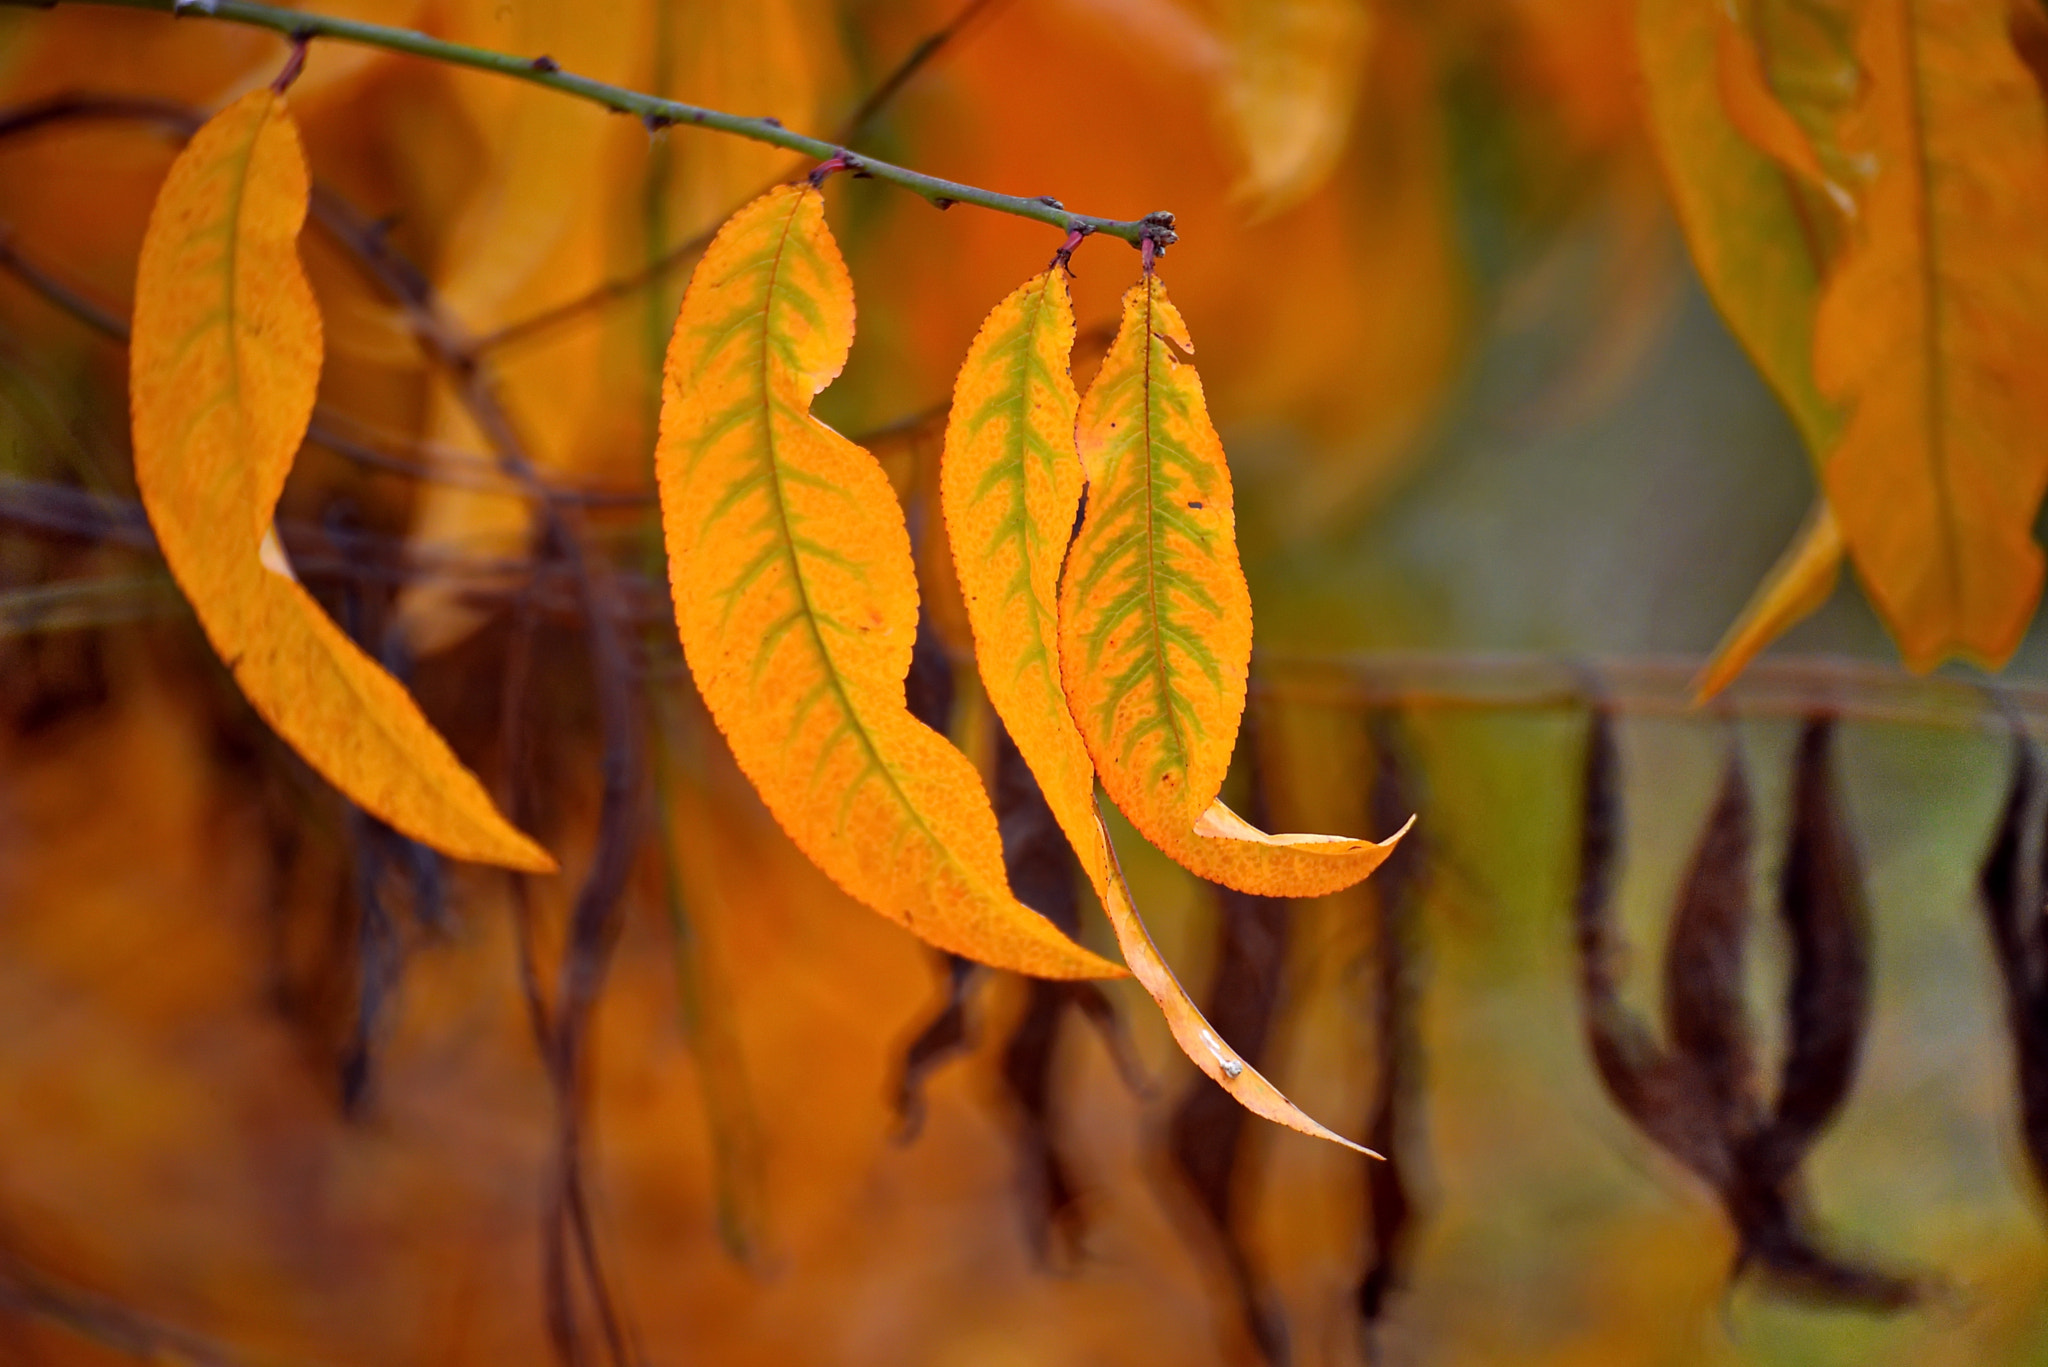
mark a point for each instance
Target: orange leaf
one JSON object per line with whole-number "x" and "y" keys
{"x": 1753, "y": 107}
{"x": 1759, "y": 239}
{"x": 1797, "y": 585}
{"x": 797, "y": 603}
{"x": 1934, "y": 328}
{"x": 1156, "y": 621}
{"x": 223, "y": 367}
{"x": 1010, "y": 485}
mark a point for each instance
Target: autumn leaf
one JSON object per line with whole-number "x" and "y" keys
{"x": 1156, "y": 620}
{"x": 1933, "y": 329}
{"x": 1802, "y": 580}
{"x": 224, "y": 362}
{"x": 1290, "y": 91}
{"x": 1010, "y": 485}
{"x": 796, "y": 599}
{"x": 1748, "y": 182}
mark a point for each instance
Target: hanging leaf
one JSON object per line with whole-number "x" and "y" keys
{"x": 224, "y": 362}
{"x": 1156, "y": 621}
{"x": 1802, "y": 580}
{"x": 797, "y": 604}
{"x": 1933, "y": 327}
{"x": 1010, "y": 486}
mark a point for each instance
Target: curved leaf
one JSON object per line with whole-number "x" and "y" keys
{"x": 1802, "y": 580}
{"x": 1010, "y": 484}
{"x": 223, "y": 366}
{"x": 1156, "y": 621}
{"x": 1934, "y": 327}
{"x": 797, "y": 603}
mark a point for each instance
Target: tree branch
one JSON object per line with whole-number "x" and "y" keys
{"x": 656, "y": 113}
{"x": 671, "y": 258}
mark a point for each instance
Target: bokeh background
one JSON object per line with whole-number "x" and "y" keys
{"x": 270, "y": 1087}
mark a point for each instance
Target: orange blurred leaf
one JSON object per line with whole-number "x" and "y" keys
{"x": 796, "y": 599}
{"x": 223, "y": 366}
{"x": 1933, "y": 329}
{"x": 1725, "y": 140}
{"x": 1291, "y": 91}
{"x": 1010, "y": 486}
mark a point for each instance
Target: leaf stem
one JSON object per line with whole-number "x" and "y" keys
{"x": 656, "y": 113}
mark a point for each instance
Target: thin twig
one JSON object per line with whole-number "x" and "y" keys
{"x": 107, "y": 1323}
{"x": 630, "y": 284}
{"x": 655, "y": 112}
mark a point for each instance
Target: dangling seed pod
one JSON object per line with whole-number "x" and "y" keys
{"x": 1698, "y": 1100}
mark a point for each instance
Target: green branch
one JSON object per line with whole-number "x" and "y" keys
{"x": 656, "y": 113}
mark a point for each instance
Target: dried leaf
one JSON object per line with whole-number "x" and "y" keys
{"x": 1397, "y": 895}
{"x": 797, "y": 603}
{"x": 1933, "y": 327}
{"x": 1156, "y": 621}
{"x": 1803, "y": 579}
{"x": 223, "y": 366}
{"x": 1010, "y": 487}
{"x": 1704, "y": 1013}
{"x": 1827, "y": 1005}
{"x": 2019, "y": 939}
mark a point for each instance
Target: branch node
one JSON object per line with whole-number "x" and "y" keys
{"x": 943, "y": 202}
{"x": 1064, "y": 257}
{"x": 545, "y": 65}
{"x": 656, "y": 121}
{"x": 1049, "y": 202}
{"x": 838, "y": 161}
{"x": 770, "y": 121}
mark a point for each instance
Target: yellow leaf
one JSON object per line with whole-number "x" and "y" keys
{"x": 1934, "y": 327}
{"x": 223, "y": 367}
{"x": 1156, "y": 621}
{"x": 797, "y": 604}
{"x": 1290, "y": 92}
{"x": 1797, "y": 585}
{"x": 1010, "y": 485}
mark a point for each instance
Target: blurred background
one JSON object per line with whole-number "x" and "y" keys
{"x": 281, "y": 1087}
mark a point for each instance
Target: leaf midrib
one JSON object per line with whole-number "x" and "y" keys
{"x": 1153, "y": 347}
{"x": 856, "y": 724}
{"x": 1936, "y": 386}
